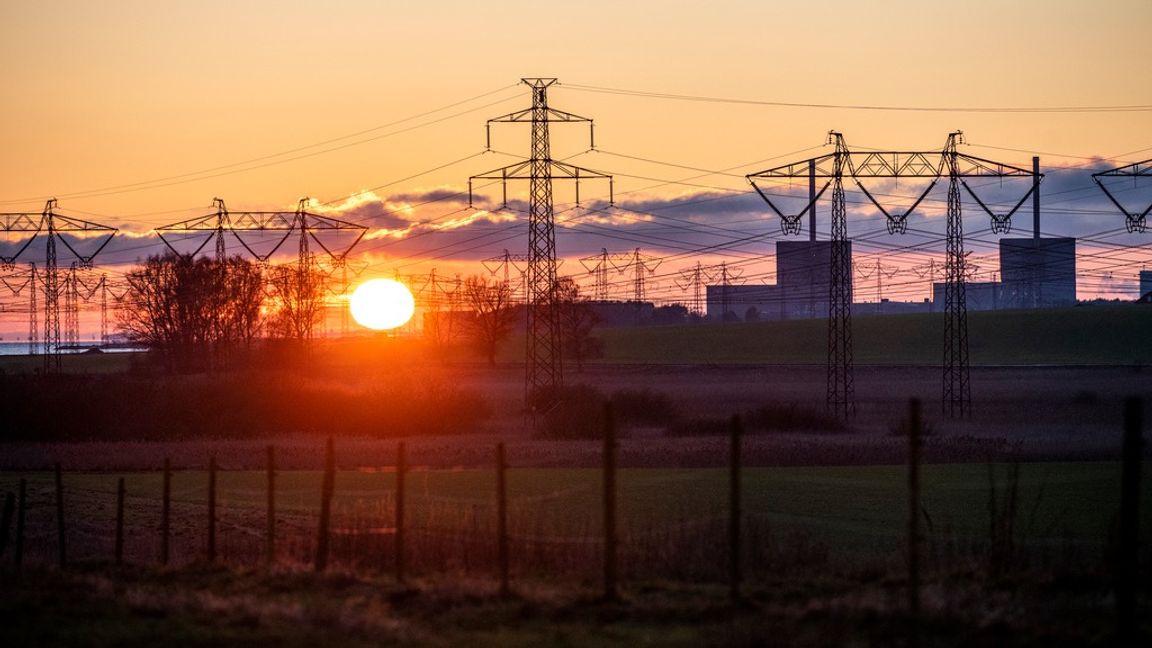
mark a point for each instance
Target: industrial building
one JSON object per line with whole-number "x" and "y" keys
{"x": 804, "y": 275}
{"x": 1038, "y": 272}
{"x": 1035, "y": 273}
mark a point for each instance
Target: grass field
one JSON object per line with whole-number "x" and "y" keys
{"x": 1083, "y": 335}
{"x": 853, "y": 513}
{"x": 824, "y": 564}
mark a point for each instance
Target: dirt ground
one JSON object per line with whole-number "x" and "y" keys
{"x": 1031, "y": 413}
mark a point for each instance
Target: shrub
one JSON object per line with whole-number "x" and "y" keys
{"x": 643, "y": 407}
{"x": 576, "y": 412}
{"x": 790, "y": 417}
{"x": 699, "y": 427}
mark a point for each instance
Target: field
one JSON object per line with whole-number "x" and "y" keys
{"x": 1019, "y": 502}
{"x": 1087, "y": 335}
{"x": 823, "y": 552}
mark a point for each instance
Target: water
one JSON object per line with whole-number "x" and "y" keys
{"x": 21, "y": 348}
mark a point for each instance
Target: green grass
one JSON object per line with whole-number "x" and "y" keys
{"x": 1083, "y": 335}
{"x": 855, "y": 511}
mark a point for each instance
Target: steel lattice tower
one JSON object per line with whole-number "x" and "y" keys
{"x": 957, "y": 399}
{"x": 841, "y": 397}
{"x": 544, "y": 368}
{"x": 930, "y": 166}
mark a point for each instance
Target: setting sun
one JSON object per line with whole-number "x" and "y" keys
{"x": 382, "y": 304}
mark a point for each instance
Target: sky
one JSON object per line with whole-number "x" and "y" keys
{"x": 136, "y": 114}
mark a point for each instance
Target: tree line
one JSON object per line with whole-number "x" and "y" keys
{"x": 201, "y": 313}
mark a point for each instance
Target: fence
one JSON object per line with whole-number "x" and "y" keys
{"x": 414, "y": 522}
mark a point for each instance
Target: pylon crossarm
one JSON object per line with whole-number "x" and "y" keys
{"x": 211, "y": 222}
{"x": 1135, "y": 221}
{"x": 982, "y": 168}
{"x": 30, "y": 223}
{"x": 262, "y": 258}
{"x": 790, "y": 224}
{"x": 510, "y": 172}
{"x": 169, "y": 245}
{"x": 1001, "y": 223}
{"x": 1142, "y": 168}
{"x": 21, "y": 222}
{"x": 895, "y": 164}
{"x": 897, "y": 223}
{"x": 86, "y": 259}
{"x": 824, "y": 168}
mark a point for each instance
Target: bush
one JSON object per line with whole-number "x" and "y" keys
{"x": 699, "y": 427}
{"x": 577, "y": 412}
{"x": 643, "y": 407}
{"x": 779, "y": 417}
{"x": 241, "y": 405}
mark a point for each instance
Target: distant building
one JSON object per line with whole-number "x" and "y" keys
{"x": 1038, "y": 272}
{"x": 803, "y": 278}
{"x": 1145, "y": 283}
{"x": 978, "y": 295}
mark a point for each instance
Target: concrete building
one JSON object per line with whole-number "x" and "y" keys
{"x": 803, "y": 278}
{"x": 978, "y": 295}
{"x": 1038, "y": 272}
{"x": 801, "y": 292}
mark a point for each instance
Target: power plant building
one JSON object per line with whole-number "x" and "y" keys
{"x": 1038, "y": 272}
{"x": 801, "y": 291}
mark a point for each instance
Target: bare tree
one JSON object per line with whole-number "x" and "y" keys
{"x": 192, "y": 308}
{"x": 493, "y": 314}
{"x": 577, "y": 319}
{"x": 298, "y": 301}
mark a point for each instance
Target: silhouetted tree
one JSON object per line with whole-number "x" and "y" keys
{"x": 577, "y": 319}
{"x": 298, "y": 301}
{"x": 192, "y": 310}
{"x": 493, "y": 313}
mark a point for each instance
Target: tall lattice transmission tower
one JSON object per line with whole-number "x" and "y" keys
{"x": 930, "y": 167}
{"x": 56, "y": 283}
{"x": 544, "y": 369}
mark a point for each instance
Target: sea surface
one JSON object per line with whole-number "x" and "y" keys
{"x": 21, "y": 348}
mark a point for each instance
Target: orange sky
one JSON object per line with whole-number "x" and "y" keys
{"x": 161, "y": 106}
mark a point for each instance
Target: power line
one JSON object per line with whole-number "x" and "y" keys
{"x": 789, "y": 104}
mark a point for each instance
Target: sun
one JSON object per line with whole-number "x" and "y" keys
{"x": 382, "y": 304}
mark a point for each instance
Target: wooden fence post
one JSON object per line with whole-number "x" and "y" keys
{"x": 6, "y": 521}
{"x": 914, "y": 428}
{"x": 1128, "y": 554}
{"x": 611, "y": 592}
{"x": 120, "y": 521}
{"x": 735, "y": 514}
{"x": 61, "y": 533}
{"x": 326, "y": 487}
{"x": 212, "y": 508}
{"x": 165, "y": 511}
{"x": 21, "y": 506}
{"x": 502, "y": 520}
{"x": 270, "y": 539}
{"x": 401, "y": 468}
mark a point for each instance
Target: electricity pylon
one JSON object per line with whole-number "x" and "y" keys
{"x": 930, "y": 166}
{"x": 880, "y": 271}
{"x": 544, "y": 368}
{"x": 305, "y": 225}
{"x": 728, "y": 277}
{"x": 54, "y": 227}
{"x": 1135, "y": 221}
{"x": 598, "y": 266}
{"x": 505, "y": 264}
{"x": 696, "y": 278}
